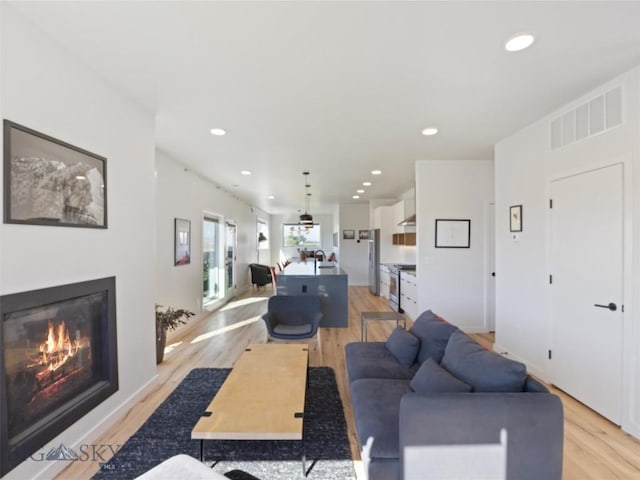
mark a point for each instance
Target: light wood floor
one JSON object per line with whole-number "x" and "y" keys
{"x": 594, "y": 449}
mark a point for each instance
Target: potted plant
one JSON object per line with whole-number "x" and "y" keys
{"x": 168, "y": 319}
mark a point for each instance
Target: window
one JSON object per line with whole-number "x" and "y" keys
{"x": 296, "y": 235}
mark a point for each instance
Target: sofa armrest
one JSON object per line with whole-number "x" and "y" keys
{"x": 534, "y": 424}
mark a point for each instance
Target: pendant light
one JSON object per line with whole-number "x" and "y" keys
{"x": 306, "y": 218}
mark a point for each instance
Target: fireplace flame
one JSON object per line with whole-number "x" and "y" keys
{"x": 58, "y": 348}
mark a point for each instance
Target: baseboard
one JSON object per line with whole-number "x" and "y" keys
{"x": 632, "y": 429}
{"x": 533, "y": 369}
{"x": 466, "y": 329}
{"x": 52, "y": 469}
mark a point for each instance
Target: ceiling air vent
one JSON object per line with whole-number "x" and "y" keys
{"x": 596, "y": 116}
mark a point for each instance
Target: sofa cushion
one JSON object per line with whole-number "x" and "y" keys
{"x": 376, "y": 408}
{"x": 434, "y": 334}
{"x": 403, "y": 345}
{"x": 432, "y": 378}
{"x": 373, "y": 360}
{"x": 484, "y": 370}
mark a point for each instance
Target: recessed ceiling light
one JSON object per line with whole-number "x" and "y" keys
{"x": 366, "y": 184}
{"x": 376, "y": 172}
{"x": 271, "y": 197}
{"x": 355, "y": 197}
{"x": 519, "y": 42}
{"x": 218, "y": 132}
{"x": 245, "y": 172}
{"x": 80, "y": 177}
{"x": 430, "y": 131}
{"x": 360, "y": 190}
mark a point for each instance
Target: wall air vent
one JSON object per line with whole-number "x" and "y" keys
{"x": 598, "y": 115}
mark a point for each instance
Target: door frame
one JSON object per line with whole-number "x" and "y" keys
{"x": 212, "y": 304}
{"x": 489, "y": 242}
{"x": 628, "y": 347}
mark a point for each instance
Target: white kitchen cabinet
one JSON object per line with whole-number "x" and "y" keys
{"x": 384, "y": 281}
{"x": 409, "y": 293}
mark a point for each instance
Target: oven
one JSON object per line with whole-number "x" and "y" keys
{"x": 394, "y": 285}
{"x": 394, "y": 288}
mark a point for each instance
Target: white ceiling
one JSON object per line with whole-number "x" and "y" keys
{"x": 340, "y": 88}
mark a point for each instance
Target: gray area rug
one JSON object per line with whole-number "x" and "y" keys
{"x": 167, "y": 432}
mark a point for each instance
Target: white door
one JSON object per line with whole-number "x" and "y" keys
{"x": 586, "y": 278}
{"x": 490, "y": 268}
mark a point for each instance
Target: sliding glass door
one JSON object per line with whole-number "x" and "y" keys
{"x": 230, "y": 261}
{"x": 211, "y": 271}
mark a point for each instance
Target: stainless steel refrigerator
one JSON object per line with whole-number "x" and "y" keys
{"x": 374, "y": 261}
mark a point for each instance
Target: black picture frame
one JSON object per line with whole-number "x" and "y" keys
{"x": 182, "y": 242}
{"x": 50, "y": 182}
{"x": 453, "y": 233}
{"x": 515, "y": 218}
{"x": 363, "y": 234}
{"x": 348, "y": 234}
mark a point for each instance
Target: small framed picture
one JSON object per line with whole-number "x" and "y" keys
{"x": 363, "y": 234}
{"x": 348, "y": 234}
{"x": 515, "y": 218}
{"x": 182, "y": 242}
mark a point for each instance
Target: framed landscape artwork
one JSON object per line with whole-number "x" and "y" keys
{"x": 363, "y": 234}
{"x": 348, "y": 234}
{"x": 182, "y": 233}
{"x": 50, "y": 182}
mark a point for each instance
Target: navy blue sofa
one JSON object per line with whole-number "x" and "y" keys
{"x": 434, "y": 385}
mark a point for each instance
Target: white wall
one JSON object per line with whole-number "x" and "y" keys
{"x": 45, "y": 89}
{"x": 181, "y": 193}
{"x": 524, "y": 166}
{"x": 452, "y": 281}
{"x": 354, "y": 258}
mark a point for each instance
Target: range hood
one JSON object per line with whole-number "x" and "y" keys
{"x": 410, "y": 221}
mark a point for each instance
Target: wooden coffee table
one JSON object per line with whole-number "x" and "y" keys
{"x": 261, "y": 399}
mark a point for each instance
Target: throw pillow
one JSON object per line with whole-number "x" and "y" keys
{"x": 403, "y": 346}
{"x": 484, "y": 370}
{"x": 432, "y": 378}
{"x": 434, "y": 334}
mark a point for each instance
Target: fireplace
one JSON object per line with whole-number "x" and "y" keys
{"x": 59, "y": 361}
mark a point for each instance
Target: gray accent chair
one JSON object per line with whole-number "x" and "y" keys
{"x": 291, "y": 317}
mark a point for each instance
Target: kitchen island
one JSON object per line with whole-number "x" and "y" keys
{"x": 326, "y": 279}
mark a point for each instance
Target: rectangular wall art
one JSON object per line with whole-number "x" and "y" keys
{"x": 182, "y": 242}
{"x": 50, "y": 182}
{"x": 453, "y": 233}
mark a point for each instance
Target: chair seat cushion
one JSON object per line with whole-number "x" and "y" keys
{"x": 283, "y": 329}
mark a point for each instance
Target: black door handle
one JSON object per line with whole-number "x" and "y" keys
{"x": 612, "y": 306}
{"x": 493, "y": 274}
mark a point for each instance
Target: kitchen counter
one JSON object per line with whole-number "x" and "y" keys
{"x": 327, "y": 280}
{"x": 307, "y": 269}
